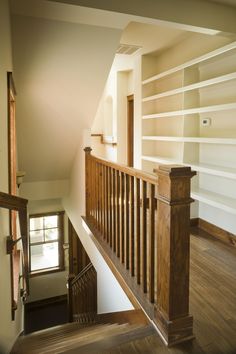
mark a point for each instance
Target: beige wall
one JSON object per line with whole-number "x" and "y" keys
{"x": 9, "y": 329}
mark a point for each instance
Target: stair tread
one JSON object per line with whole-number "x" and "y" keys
{"x": 54, "y": 340}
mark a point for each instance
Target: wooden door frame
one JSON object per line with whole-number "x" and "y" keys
{"x": 130, "y": 130}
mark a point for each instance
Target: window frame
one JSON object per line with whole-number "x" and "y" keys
{"x": 61, "y": 266}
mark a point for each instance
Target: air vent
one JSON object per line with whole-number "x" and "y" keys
{"x": 127, "y": 49}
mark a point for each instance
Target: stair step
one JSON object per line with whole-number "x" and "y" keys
{"x": 70, "y": 338}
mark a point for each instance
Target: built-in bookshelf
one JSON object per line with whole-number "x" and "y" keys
{"x": 189, "y": 118}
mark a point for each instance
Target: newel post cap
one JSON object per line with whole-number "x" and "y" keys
{"x": 87, "y": 149}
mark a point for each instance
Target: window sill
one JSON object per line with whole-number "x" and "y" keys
{"x": 37, "y": 273}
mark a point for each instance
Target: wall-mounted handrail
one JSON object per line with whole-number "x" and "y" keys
{"x": 145, "y": 219}
{"x": 12, "y": 202}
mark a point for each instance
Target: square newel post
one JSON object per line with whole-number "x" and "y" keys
{"x": 88, "y": 173}
{"x": 173, "y": 248}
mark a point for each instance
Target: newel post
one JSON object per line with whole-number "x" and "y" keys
{"x": 172, "y": 310}
{"x": 87, "y": 151}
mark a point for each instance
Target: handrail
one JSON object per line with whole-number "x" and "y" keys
{"x": 81, "y": 274}
{"x": 83, "y": 296}
{"x": 12, "y": 202}
{"x": 148, "y": 177}
{"x": 143, "y": 220}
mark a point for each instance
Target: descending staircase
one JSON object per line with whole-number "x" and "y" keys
{"x": 74, "y": 338}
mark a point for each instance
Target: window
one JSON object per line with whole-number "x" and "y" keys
{"x": 46, "y": 242}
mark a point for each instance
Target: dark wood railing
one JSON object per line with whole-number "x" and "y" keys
{"x": 19, "y": 205}
{"x": 83, "y": 296}
{"x": 145, "y": 221}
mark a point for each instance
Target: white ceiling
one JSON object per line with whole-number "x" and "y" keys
{"x": 62, "y": 56}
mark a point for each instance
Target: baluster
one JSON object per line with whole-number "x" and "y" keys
{"x": 110, "y": 209}
{"x": 132, "y": 225}
{"x": 127, "y": 220}
{"x": 114, "y": 209}
{"x": 137, "y": 239}
{"x": 144, "y": 236}
{"x": 107, "y": 204}
{"x": 151, "y": 245}
{"x": 103, "y": 201}
{"x": 122, "y": 235}
{"x": 118, "y": 213}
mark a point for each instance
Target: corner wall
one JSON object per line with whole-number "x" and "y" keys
{"x": 9, "y": 329}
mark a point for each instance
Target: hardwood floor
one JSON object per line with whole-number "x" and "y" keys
{"x": 212, "y": 304}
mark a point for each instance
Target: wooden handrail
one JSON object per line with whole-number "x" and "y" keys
{"x": 83, "y": 295}
{"x": 12, "y": 202}
{"x": 144, "y": 220}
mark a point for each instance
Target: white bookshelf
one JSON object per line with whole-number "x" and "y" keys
{"x": 174, "y": 103}
{"x": 214, "y": 199}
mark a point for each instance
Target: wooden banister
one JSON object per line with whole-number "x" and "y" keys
{"x": 12, "y": 202}
{"x": 83, "y": 295}
{"x": 144, "y": 220}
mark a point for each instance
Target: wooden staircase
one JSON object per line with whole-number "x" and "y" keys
{"x": 74, "y": 338}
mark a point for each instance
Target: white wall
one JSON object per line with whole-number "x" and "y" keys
{"x": 111, "y": 297}
{"x": 46, "y": 197}
{"x": 9, "y": 329}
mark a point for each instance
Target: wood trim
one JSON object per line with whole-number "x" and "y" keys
{"x": 60, "y": 227}
{"x": 194, "y": 222}
{"x": 129, "y": 316}
{"x": 215, "y": 231}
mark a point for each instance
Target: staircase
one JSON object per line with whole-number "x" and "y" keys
{"x": 74, "y": 338}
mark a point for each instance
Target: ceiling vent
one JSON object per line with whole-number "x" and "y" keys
{"x": 127, "y": 49}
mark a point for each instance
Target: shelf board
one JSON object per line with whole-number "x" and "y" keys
{"x": 192, "y": 62}
{"x": 214, "y": 108}
{"x": 191, "y": 87}
{"x": 227, "y": 172}
{"x": 161, "y": 160}
{"x": 216, "y": 200}
{"x": 180, "y": 139}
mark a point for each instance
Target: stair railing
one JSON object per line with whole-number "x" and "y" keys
{"x": 83, "y": 296}
{"x": 15, "y": 203}
{"x": 145, "y": 220}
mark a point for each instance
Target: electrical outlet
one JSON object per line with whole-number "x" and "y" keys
{"x": 206, "y": 122}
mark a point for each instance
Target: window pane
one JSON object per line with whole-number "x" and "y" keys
{"x": 36, "y": 236}
{"x": 50, "y": 221}
{"x": 36, "y": 223}
{"x": 44, "y": 256}
{"x": 51, "y": 234}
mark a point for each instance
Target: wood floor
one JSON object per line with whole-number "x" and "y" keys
{"x": 212, "y": 304}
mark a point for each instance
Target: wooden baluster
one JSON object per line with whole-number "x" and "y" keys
{"x": 137, "y": 238}
{"x": 144, "y": 236}
{"x": 87, "y": 151}
{"x": 110, "y": 209}
{"x": 173, "y": 237}
{"x": 107, "y": 204}
{"x": 151, "y": 243}
{"x": 132, "y": 225}
{"x": 122, "y": 235}
{"x": 114, "y": 209}
{"x": 103, "y": 201}
{"x": 96, "y": 193}
{"x": 118, "y": 213}
{"x": 127, "y": 220}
